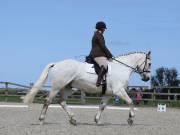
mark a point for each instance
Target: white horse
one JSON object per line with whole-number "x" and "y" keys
{"x": 69, "y": 74}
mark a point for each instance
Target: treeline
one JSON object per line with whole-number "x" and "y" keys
{"x": 165, "y": 77}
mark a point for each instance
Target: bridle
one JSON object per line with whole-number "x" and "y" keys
{"x": 144, "y": 68}
{"x": 137, "y": 69}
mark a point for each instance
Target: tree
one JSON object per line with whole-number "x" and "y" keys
{"x": 165, "y": 77}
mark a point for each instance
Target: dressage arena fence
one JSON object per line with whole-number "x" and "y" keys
{"x": 141, "y": 95}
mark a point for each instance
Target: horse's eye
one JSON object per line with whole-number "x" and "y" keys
{"x": 137, "y": 67}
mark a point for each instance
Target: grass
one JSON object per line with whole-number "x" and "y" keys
{"x": 10, "y": 99}
{"x": 92, "y": 101}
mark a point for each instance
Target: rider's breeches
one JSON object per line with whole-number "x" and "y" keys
{"x": 101, "y": 61}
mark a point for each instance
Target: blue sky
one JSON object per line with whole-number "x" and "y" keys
{"x": 37, "y": 32}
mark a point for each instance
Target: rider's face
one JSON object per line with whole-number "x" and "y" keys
{"x": 102, "y": 30}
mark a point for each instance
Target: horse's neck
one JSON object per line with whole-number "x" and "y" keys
{"x": 132, "y": 59}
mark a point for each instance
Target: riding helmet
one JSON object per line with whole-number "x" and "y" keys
{"x": 100, "y": 25}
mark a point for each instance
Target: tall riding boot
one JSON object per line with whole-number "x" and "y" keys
{"x": 102, "y": 72}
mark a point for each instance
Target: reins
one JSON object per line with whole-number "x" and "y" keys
{"x": 134, "y": 69}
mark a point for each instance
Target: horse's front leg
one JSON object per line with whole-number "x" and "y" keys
{"x": 102, "y": 106}
{"x": 123, "y": 94}
{"x": 131, "y": 113}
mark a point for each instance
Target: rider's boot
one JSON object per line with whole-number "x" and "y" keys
{"x": 102, "y": 72}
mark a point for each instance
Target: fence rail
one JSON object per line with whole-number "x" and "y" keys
{"x": 153, "y": 96}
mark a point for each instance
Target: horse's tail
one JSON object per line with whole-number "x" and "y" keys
{"x": 38, "y": 85}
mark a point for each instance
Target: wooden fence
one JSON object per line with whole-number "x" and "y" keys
{"x": 154, "y": 94}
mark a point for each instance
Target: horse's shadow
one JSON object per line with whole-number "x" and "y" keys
{"x": 104, "y": 124}
{"x": 110, "y": 124}
{"x": 99, "y": 124}
{"x": 45, "y": 123}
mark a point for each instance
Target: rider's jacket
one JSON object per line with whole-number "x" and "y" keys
{"x": 98, "y": 46}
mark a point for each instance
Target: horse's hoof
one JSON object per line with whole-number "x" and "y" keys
{"x": 96, "y": 120}
{"x": 131, "y": 115}
{"x": 41, "y": 119}
{"x": 73, "y": 122}
{"x": 130, "y": 121}
{"x": 41, "y": 122}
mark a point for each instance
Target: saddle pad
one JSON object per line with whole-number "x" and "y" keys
{"x": 90, "y": 68}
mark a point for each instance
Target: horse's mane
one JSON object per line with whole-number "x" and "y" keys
{"x": 130, "y": 53}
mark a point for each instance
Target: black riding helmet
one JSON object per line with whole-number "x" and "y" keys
{"x": 100, "y": 25}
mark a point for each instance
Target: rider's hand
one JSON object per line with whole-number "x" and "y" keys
{"x": 110, "y": 59}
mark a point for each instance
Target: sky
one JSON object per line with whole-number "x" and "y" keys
{"x": 34, "y": 33}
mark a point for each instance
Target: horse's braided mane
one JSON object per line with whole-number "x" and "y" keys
{"x": 130, "y": 53}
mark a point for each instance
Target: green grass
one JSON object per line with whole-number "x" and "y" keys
{"x": 10, "y": 99}
{"x": 92, "y": 101}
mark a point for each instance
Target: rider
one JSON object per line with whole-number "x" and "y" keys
{"x": 99, "y": 51}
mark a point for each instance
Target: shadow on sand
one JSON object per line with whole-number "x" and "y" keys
{"x": 94, "y": 124}
{"x": 111, "y": 124}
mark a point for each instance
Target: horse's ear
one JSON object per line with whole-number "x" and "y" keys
{"x": 149, "y": 53}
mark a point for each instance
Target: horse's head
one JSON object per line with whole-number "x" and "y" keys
{"x": 145, "y": 67}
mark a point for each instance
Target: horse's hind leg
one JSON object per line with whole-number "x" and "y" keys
{"x": 102, "y": 106}
{"x": 68, "y": 111}
{"x": 48, "y": 101}
{"x": 64, "y": 94}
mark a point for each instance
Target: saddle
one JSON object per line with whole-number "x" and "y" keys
{"x": 97, "y": 69}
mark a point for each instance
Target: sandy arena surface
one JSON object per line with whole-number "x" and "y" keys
{"x": 24, "y": 121}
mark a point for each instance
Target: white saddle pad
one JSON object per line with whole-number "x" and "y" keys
{"x": 90, "y": 69}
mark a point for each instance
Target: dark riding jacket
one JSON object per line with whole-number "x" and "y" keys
{"x": 98, "y": 46}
